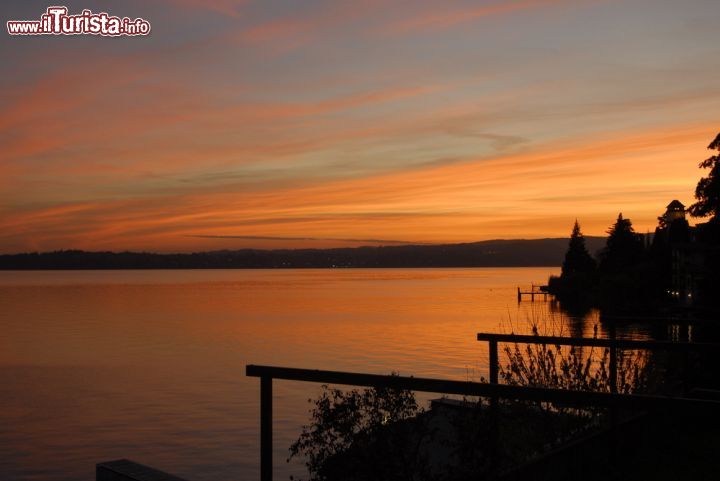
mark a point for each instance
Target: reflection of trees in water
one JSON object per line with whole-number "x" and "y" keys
{"x": 554, "y": 319}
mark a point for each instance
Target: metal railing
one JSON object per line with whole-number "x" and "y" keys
{"x": 444, "y": 386}
{"x": 612, "y": 344}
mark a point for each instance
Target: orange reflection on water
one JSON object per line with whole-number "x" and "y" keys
{"x": 149, "y": 365}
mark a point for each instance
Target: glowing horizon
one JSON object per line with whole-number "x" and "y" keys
{"x": 276, "y": 124}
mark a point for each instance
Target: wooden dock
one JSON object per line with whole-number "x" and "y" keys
{"x": 539, "y": 291}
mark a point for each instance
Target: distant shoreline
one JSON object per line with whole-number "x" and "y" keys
{"x": 494, "y": 253}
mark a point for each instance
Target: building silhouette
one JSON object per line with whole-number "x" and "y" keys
{"x": 675, "y": 210}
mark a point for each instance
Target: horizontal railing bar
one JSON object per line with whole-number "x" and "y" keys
{"x": 468, "y": 388}
{"x": 595, "y": 342}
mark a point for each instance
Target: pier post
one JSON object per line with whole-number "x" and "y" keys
{"x": 266, "y": 443}
{"x": 493, "y": 345}
{"x": 519, "y": 295}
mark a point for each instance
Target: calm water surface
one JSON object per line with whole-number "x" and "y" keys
{"x": 149, "y": 365}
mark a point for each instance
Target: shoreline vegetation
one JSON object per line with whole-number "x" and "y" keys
{"x": 493, "y": 253}
{"x": 677, "y": 266}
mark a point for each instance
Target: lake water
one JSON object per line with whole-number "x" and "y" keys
{"x": 150, "y": 365}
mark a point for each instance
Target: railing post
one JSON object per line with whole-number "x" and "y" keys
{"x": 613, "y": 409}
{"x": 613, "y": 360}
{"x": 493, "y": 361}
{"x": 266, "y": 443}
{"x": 613, "y": 369}
{"x": 494, "y": 408}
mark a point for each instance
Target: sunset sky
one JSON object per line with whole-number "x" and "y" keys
{"x": 327, "y": 123}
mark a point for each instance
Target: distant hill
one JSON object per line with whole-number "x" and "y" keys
{"x": 493, "y": 253}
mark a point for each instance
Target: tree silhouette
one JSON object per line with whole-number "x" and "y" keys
{"x": 375, "y": 433}
{"x": 707, "y": 191}
{"x": 575, "y": 286}
{"x": 577, "y": 259}
{"x": 707, "y": 194}
{"x": 624, "y": 247}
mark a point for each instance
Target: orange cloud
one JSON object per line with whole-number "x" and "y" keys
{"x": 116, "y": 144}
{"x": 533, "y": 194}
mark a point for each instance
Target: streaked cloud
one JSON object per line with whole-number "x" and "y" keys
{"x": 252, "y": 124}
